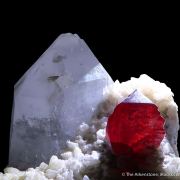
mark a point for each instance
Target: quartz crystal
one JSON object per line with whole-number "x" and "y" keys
{"x": 135, "y": 126}
{"x": 59, "y": 92}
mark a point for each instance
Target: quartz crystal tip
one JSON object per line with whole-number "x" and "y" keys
{"x": 58, "y": 93}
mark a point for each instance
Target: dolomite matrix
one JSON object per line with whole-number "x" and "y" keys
{"x": 59, "y": 92}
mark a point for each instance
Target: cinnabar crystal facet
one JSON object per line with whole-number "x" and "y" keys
{"x": 134, "y": 128}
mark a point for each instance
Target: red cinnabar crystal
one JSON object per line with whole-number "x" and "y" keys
{"x": 134, "y": 127}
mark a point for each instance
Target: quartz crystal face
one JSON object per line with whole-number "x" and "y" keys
{"x": 59, "y": 92}
{"x": 135, "y": 126}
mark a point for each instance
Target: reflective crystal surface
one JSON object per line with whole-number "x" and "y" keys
{"x": 59, "y": 92}
{"x": 135, "y": 126}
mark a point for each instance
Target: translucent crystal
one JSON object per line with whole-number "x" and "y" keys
{"x": 59, "y": 92}
{"x": 135, "y": 126}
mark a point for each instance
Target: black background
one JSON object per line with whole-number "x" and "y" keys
{"x": 126, "y": 48}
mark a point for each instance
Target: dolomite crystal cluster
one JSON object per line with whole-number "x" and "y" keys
{"x": 49, "y": 120}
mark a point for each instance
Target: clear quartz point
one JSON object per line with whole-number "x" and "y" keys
{"x": 59, "y": 92}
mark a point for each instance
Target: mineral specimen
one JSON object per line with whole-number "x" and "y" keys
{"x": 59, "y": 92}
{"x": 88, "y": 158}
{"x": 68, "y": 89}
